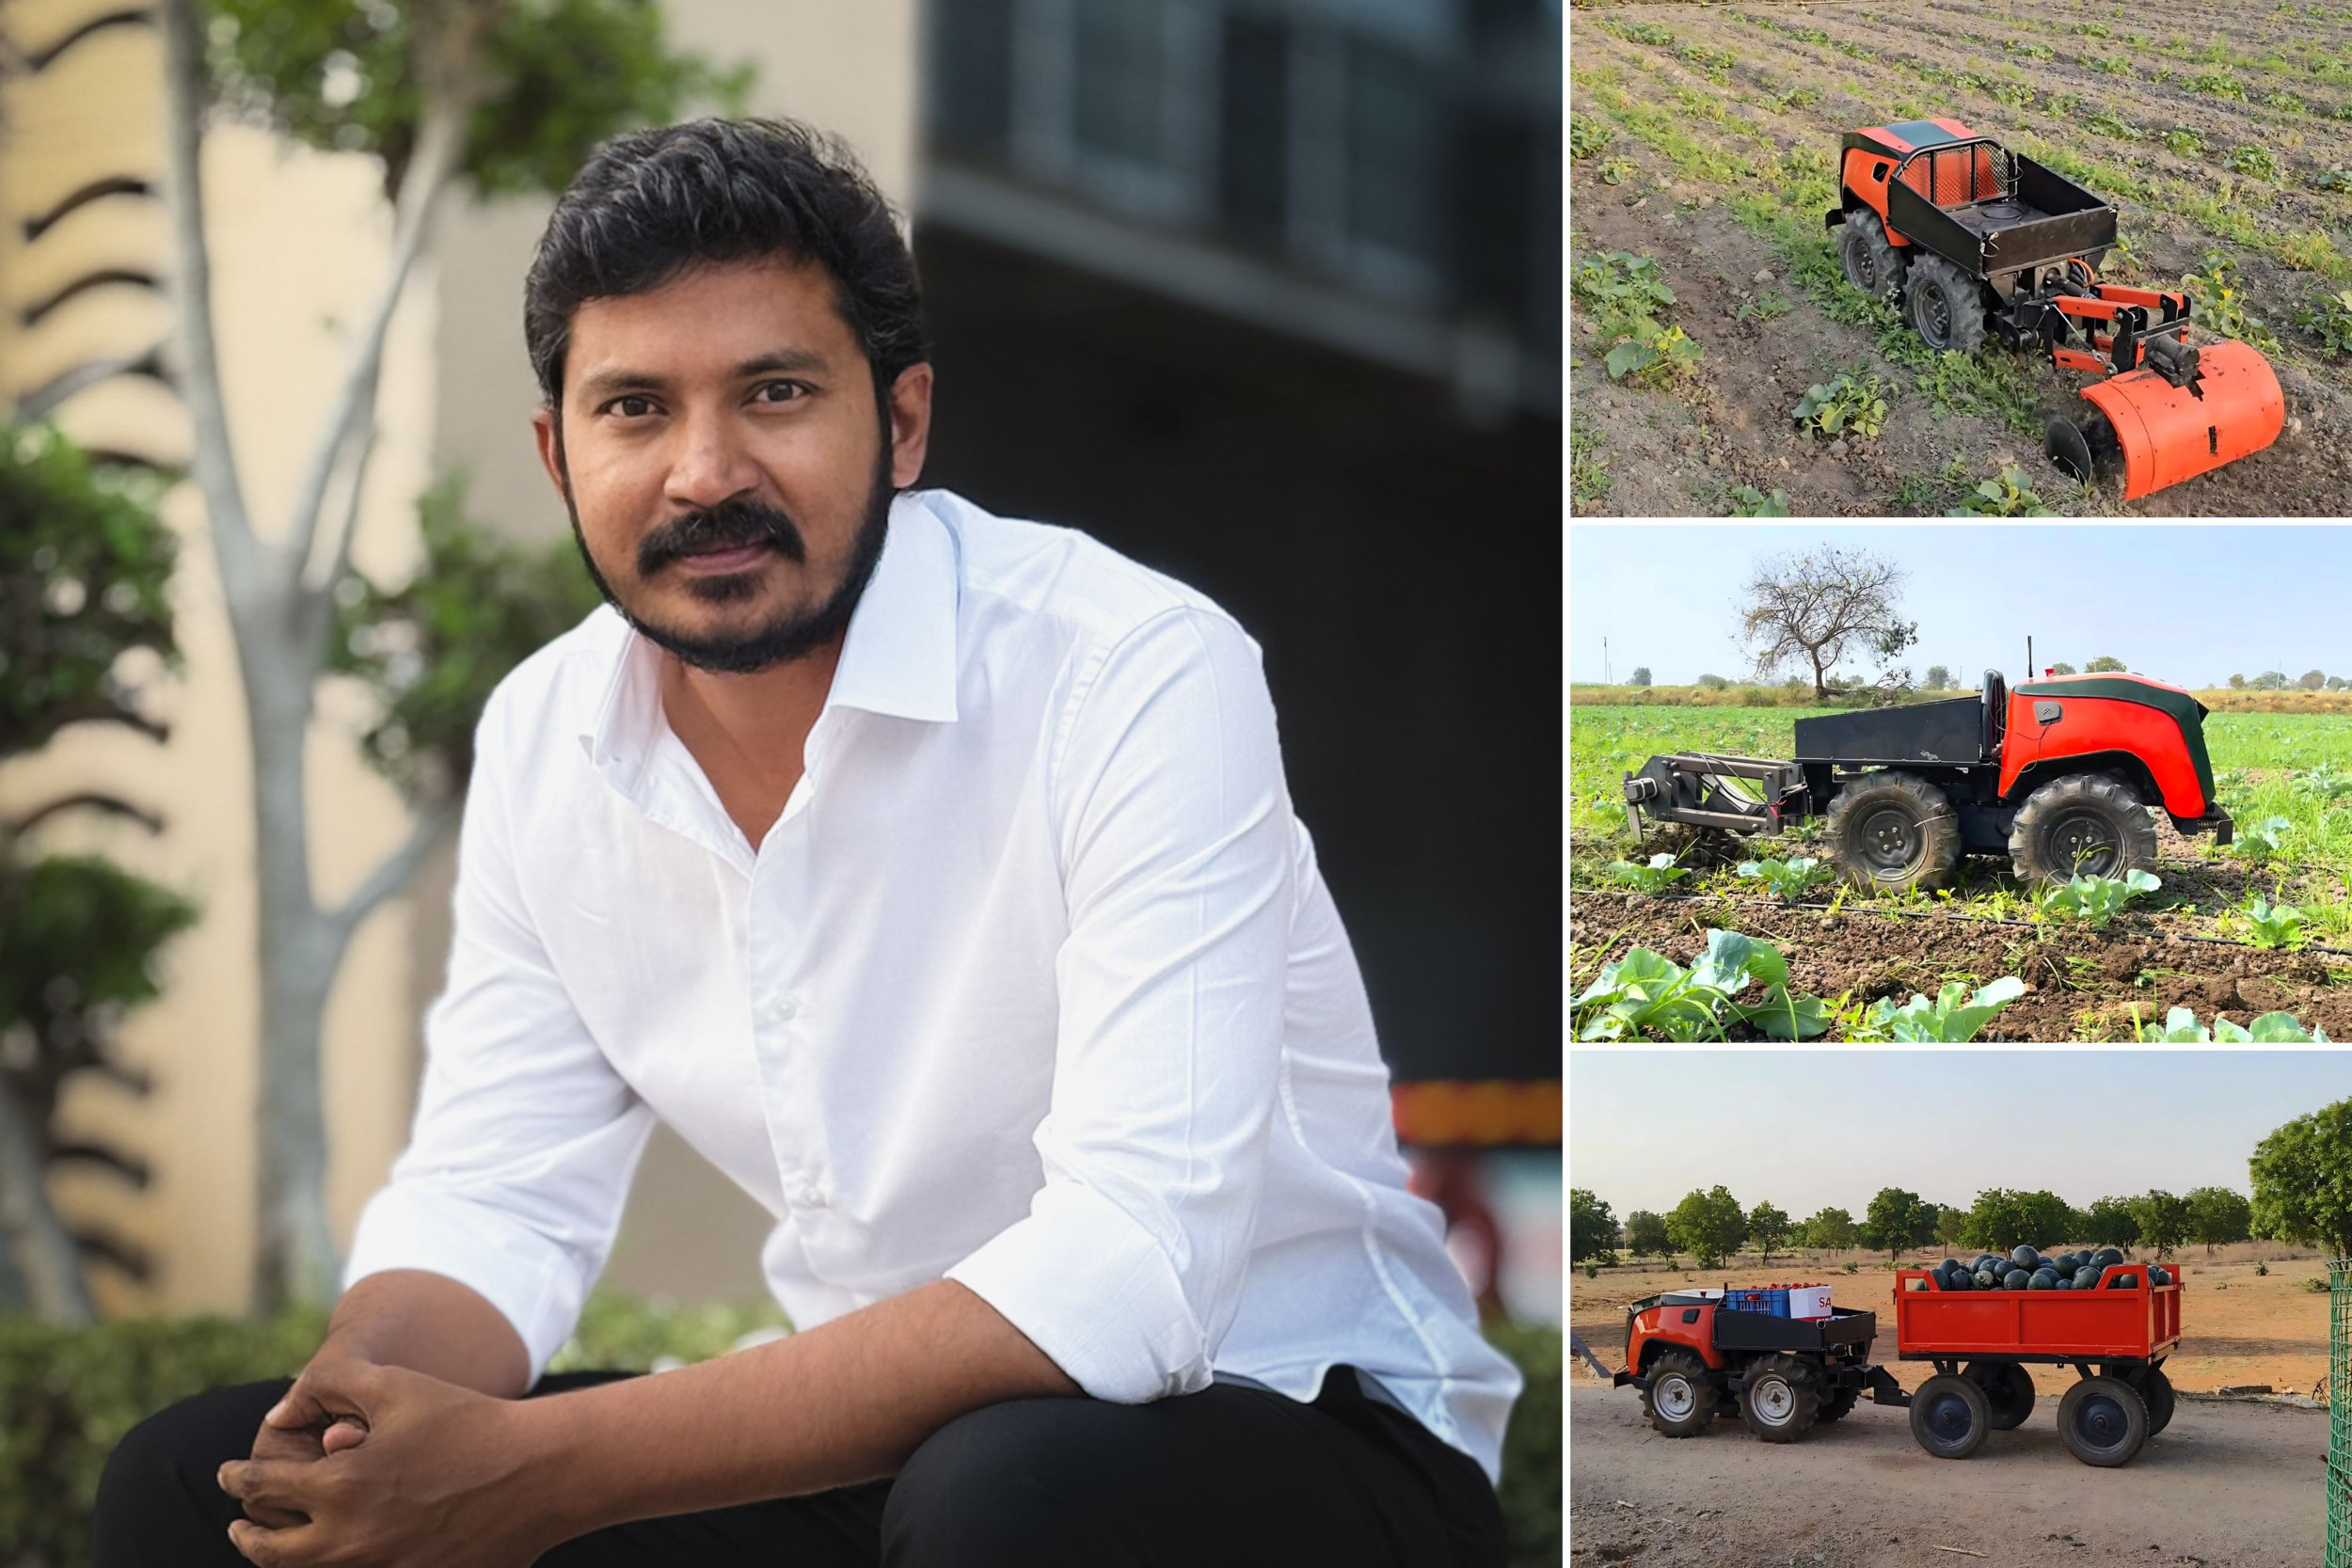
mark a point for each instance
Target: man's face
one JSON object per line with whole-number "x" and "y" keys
{"x": 727, "y": 469}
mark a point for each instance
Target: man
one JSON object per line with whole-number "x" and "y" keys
{"x": 934, "y": 875}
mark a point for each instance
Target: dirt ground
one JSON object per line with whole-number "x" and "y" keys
{"x": 1674, "y": 452}
{"x": 2225, "y": 1485}
{"x": 2242, "y": 1328}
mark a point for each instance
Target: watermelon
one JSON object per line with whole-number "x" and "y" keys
{"x": 1984, "y": 1260}
{"x": 2157, "y": 1275}
{"x": 2086, "y": 1277}
{"x": 1987, "y": 1281}
{"x": 2024, "y": 1257}
{"x": 2015, "y": 1280}
{"x": 2106, "y": 1258}
{"x": 2041, "y": 1279}
{"x": 2125, "y": 1282}
{"x": 2065, "y": 1285}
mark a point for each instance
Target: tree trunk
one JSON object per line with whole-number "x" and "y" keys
{"x": 46, "y": 1264}
{"x": 299, "y": 948}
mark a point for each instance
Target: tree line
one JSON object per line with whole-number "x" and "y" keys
{"x": 2302, "y": 1195}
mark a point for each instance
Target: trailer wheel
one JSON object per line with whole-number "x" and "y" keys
{"x": 1871, "y": 265}
{"x": 1947, "y": 306}
{"x": 1950, "y": 1417}
{"x": 2157, "y": 1389}
{"x": 2103, "y": 1421}
{"x": 2008, "y": 1392}
{"x": 2087, "y": 822}
{"x": 1892, "y": 832}
{"x": 1841, "y": 1402}
{"x": 1681, "y": 1398}
{"x": 1782, "y": 1399}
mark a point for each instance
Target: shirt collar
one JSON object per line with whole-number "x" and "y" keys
{"x": 900, "y": 655}
{"x": 897, "y": 657}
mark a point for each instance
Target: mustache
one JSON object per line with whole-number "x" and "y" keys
{"x": 730, "y": 524}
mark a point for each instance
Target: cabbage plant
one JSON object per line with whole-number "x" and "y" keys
{"x": 1653, "y": 878}
{"x": 1790, "y": 878}
{"x": 2261, "y": 841}
{"x": 1647, "y": 994}
{"x": 1952, "y": 1018}
{"x": 2097, "y": 900}
{"x": 2179, "y": 1027}
{"x": 2274, "y": 924}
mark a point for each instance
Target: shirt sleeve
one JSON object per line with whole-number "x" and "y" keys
{"x": 1174, "y": 829}
{"x": 525, "y": 1139}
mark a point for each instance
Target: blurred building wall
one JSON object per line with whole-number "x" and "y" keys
{"x": 297, "y": 240}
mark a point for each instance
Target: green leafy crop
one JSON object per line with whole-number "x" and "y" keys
{"x": 1748, "y": 502}
{"x": 1653, "y": 878}
{"x": 2220, "y": 307}
{"x": 2179, "y": 1027}
{"x": 1587, "y": 136}
{"x": 2096, "y": 900}
{"x": 1846, "y": 402}
{"x": 2262, "y": 841}
{"x": 1952, "y": 1018}
{"x": 2330, "y": 321}
{"x": 1652, "y": 353}
{"x": 1788, "y": 880}
{"x": 2256, "y": 160}
{"x": 1645, "y": 994}
{"x": 2272, "y": 925}
{"x": 2009, "y": 495}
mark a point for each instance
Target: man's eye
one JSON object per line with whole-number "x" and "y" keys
{"x": 633, "y": 405}
{"x": 781, "y": 392}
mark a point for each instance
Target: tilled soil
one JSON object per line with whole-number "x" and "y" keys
{"x": 1679, "y": 451}
{"x": 2224, "y": 1487}
{"x": 2080, "y": 983}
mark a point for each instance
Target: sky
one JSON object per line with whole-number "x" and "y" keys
{"x": 1813, "y": 1129}
{"x": 2187, "y": 604}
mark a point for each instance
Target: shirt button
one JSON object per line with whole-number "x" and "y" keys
{"x": 813, "y": 1197}
{"x": 784, "y": 1010}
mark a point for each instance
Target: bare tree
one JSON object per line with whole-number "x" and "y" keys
{"x": 1808, "y": 609}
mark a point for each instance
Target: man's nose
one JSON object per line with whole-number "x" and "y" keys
{"x": 708, "y": 463}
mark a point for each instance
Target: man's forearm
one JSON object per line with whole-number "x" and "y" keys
{"x": 430, "y": 1324}
{"x": 845, "y": 1402}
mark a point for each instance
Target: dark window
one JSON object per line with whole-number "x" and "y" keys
{"x": 1394, "y": 151}
{"x": 1492, "y": 241}
{"x": 972, "y": 68}
{"x": 1254, "y": 148}
{"x": 1121, "y": 81}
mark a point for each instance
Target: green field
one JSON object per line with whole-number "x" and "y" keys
{"x": 2265, "y": 765}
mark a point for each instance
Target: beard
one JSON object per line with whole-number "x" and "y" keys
{"x": 791, "y": 633}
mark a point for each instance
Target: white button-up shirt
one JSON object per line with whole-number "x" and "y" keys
{"x": 1034, "y": 985}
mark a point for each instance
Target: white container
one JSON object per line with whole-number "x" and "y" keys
{"x": 1808, "y": 1300}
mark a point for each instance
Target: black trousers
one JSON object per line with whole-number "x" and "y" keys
{"x": 1229, "y": 1476}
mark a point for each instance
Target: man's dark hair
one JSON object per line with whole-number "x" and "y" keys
{"x": 650, "y": 205}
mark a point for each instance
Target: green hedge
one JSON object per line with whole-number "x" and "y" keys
{"x": 67, "y": 1396}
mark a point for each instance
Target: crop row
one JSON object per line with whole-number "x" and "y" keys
{"x": 1742, "y": 982}
{"x": 2240, "y": 209}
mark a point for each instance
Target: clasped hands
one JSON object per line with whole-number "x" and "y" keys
{"x": 369, "y": 1467}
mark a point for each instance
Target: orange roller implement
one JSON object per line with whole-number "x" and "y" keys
{"x": 2169, "y": 434}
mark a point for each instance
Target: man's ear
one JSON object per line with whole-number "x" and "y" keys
{"x": 910, "y": 424}
{"x": 543, "y": 428}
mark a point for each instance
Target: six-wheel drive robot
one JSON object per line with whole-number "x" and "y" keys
{"x": 2058, "y": 775}
{"x": 1968, "y": 238}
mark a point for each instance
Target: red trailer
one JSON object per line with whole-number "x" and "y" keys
{"x": 2115, "y": 1334}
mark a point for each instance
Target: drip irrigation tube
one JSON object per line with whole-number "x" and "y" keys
{"x": 1866, "y": 911}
